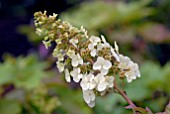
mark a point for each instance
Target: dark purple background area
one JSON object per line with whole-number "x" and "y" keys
{"x": 17, "y": 12}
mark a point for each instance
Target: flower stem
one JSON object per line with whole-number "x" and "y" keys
{"x": 124, "y": 95}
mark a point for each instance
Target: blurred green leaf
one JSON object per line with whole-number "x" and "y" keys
{"x": 94, "y": 17}
{"x": 153, "y": 77}
{"x": 72, "y": 101}
{"x": 166, "y": 77}
{"x": 167, "y": 109}
{"x": 148, "y": 89}
{"x": 111, "y": 104}
{"x": 23, "y": 72}
{"x": 9, "y": 107}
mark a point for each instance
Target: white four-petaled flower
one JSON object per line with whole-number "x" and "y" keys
{"x": 93, "y": 42}
{"x": 124, "y": 62}
{"x": 133, "y": 73}
{"x": 129, "y": 67}
{"x": 109, "y": 80}
{"x": 100, "y": 82}
{"x": 88, "y": 82}
{"x": 75, "y": 73}
{"x": 102, "y": 65}
{"x": 76, "y": 60}
{"x": 92, "y": 49}
{"x": 89, "y": 97}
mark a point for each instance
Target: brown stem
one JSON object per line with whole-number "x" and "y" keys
{"x": 124, "y": 95}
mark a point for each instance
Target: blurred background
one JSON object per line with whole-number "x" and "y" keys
{"x": 30, "y": 82}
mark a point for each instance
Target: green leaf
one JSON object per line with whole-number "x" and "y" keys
{"x": 91, "y": 14}
{"x": 110, "y": 104}
{"x": 25, "y": 72}
{"x": 9, "y": 107}
{"x": 72, "y": 101}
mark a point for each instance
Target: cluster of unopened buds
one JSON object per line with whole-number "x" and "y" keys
{"x": 89, "y": 60}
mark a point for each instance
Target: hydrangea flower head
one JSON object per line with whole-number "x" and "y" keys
{"x": 90, "y": 60}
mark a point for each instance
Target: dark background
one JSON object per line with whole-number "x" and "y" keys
{"x": 18, "y": 12}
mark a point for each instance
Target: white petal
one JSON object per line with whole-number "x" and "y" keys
{"x": 109, "y": 80}
{"x": 73, "y": 72}
{"x": 129, "y": 79}
{"x": 92, "y": 85}
{"x": 96, "y": 66}
{"x": 136, "y": 70}
{"x": 90, "y": 77}
{"x": 84, "y": 85}
{"x": 100, "y": 60}
{"x": 74, "y": 41}
{"x": 110, "y": 85}
{"x": 78, "y": 70}
{"x": 71, "y": 53}
{"x": 76, "y": 79}
{"x": 94, "y": 39}
{"x": 100, "y": 46}
{"x": 80, "y": 76}
{"x": 93, "y": 53}
{"x": 80, "y": 61}
{"x": 74, "y": 62}
{"x": 92, "y": 96}
{"x": 107, "y": 45}
{"x": 107, "y": 64}
{"x": 91, "y": 46}
{"x": 91, "y": 104}
{"x": 82, "y": 29}
{"x": 101, "y": 86}
{"x": 124, "y": 62}
{"x": 138, "y": 73}
{"x": 97, "y": 39}
{"x": 60, "y": 57}
{"x": 99, "y": 77}
{"x": 104, "y": 71}
{"x": 117, "y": 57}
{"x": 103, "y": 39}
{"x": 86, "y": 98}
{"x": 103, "y": 93}
{"x": 67, "y": 75}
{"x": 60, "y": 66}
{"x": 116, "y": 47}
{"x": 115, "y": 54}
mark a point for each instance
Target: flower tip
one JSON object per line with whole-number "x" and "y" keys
{"x": 116, "y": 47}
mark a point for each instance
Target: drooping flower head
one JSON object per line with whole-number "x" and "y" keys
{"x": 90, "y": 60}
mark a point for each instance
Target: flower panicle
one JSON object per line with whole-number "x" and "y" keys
{"x": 90, "y": 60}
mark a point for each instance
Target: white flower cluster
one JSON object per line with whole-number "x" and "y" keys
{"x": 89, "y": 60}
